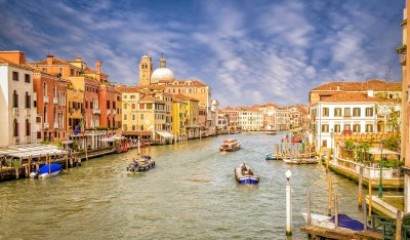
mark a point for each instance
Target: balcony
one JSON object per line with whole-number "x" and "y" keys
{"x": 16, "y": 112}
{"x": 45, "y": 99}
{"x": 96, "y": 111}
{"x": 55, "y": 100}
{"x": 46, "y": 125}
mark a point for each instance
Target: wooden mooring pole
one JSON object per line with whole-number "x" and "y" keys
{"x": 370, "y": 197}
{"x": 399, "y": 222}
{"x": 330, "y": 190}
{"x": 360, "y": 197}
{"x": 309, "y": 210}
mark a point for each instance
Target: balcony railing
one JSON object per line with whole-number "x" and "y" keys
{"x": 56, "y": 125}
{"x": 28, "y": 112}
{"x": 45, "y": 99}
{"x": 55, "y": 100}
{"x": 108, "y": 111}
{"x": 46, "y": 125}
{"x": 96, "y": 111}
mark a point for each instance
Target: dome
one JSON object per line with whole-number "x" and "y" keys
{"x": 162, "y": 75}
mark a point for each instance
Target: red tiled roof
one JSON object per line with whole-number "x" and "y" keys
{"x": 374, "y": 84}
{"x": 355, "y": 97}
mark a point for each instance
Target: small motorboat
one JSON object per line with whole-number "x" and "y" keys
{"x": 329, "y": 221}
{"x": 47, "y": 170}
{"x": 245, "y": 174}
{"x": 230, "y": 145}
{"x": 142, "y": 164}
{"x": 272, "y": 156}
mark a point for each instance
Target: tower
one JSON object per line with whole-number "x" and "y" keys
{"x": 146, "y": 68}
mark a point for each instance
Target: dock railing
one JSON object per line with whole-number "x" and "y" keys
{"x": 369, "y": 171}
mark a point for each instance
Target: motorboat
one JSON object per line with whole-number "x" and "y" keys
{"x": 230, "y": 145}
{"x": 142, "y": 164}
{"x": 47, "y": 170}
{"x": 272, "y": 156}
{"x": 245, "y": 174}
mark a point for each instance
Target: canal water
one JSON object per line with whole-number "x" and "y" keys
{"x": 191, "y": 194}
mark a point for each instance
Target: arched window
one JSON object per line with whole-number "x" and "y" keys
{"x": 28, "y": 127}
{"x": 15, "y": 99}
{"x": 108, "y": 122}
{"x": 44, "y": 89}
{"x": 15, "y": 128}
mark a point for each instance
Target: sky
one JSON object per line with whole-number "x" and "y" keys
{"x": 248, "y": 51}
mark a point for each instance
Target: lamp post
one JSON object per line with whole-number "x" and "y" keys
{"x": 380, "y": 192}
{"x": 288, "y": 205}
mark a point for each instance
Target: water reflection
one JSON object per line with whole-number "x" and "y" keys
{"x": 191, "y": 194}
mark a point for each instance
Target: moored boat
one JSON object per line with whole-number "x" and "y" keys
{"x": 47, "y": 170}
{"x": 300, "y": 160}
{"x": 344, "y": 221}
{"x": 245, "y": 174}
{"x": 142, "y": 164}
{"x": 273, "y": 156}
{"x": 230, "y": 145}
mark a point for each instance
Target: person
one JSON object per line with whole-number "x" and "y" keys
{"x": 243, "y": 167}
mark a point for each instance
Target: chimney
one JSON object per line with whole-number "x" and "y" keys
{"x": 49, "y": 62}
{"x": 370, "y": 93}
{"x": 338, "y": 88}
{"x": 98, "y": 66}
{"x": 78, "y": 59}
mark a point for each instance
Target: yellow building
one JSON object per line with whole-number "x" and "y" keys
{"x": 179, "y": 112}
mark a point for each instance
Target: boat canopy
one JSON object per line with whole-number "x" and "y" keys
{"x": 26, "y": 151}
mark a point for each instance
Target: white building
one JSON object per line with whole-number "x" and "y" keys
{"x": 351, "y": 112}
{"x": 250, "y": 119}
{"x": 18, "y": 115}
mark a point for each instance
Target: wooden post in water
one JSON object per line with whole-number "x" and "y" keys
{"x": 309, "y": 211}
{"x": 336, "y": 211}
{"x": 364, "y": 215}
{"x": 329, "y": 189}
{"x": 398, "y": 224}
{"x": 49, "y": 164}
{"x": 370, "y": 197}
{"x": 66, "y": 162}
{"x": 360, "y": 197}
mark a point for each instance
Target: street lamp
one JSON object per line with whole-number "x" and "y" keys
{"x": 380, "y": 193}
{"x": 288, "y": 205}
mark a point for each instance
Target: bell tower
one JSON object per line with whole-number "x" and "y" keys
{"x": 146, "y": 69}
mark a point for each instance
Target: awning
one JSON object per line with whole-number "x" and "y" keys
{"x": 107, "y": 140}
{"x": 67, "y": 142}
{"x": 165, "y": 134}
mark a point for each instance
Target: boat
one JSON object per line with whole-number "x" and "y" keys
{"x": 325, "y": 221}
{"x": 245, "y": 174}
{"x": 272, "y": 156}
{"x": 230, "y": 145}
{"x": 47, "y": 170}
{"x": 142, "y": 164}
{"x": 300, "y": 160}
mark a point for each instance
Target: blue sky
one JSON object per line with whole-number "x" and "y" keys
{"x": 249, "y": 52}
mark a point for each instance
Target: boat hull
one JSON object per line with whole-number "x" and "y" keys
{"x": 272, "y": 157}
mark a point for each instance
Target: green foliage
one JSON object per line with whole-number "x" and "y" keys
{"x": 391, "y": 163}
{"x": 392, "y": 143}
{"x": 349, "y": 145}
{"x": 401, "y": 49}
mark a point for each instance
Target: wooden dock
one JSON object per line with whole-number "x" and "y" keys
{"x": 315, "y": 232}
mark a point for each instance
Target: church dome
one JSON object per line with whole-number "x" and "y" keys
{"x": 162, "y": 75}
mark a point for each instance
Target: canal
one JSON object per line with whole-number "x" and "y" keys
{"x": 191, "y": 194}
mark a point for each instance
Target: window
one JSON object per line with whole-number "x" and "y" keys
{"x": 338, "y": 112}
{"x": 149, "y": 106}
{"x": 28, "y": 127}
{"x": 133, "y": 127}
{"x": 356, "y": 112}
{"x": 132, "y": 96}
{"x": 347, "y": 112}
{"x": 369, "y": 112}
{"x": 28, "y": 100}
{"x": 356, "y": 128}
{"x": 108, "y": 104}
{"x": 133, "y": 116}
{"x": 125, "y": 116}
{"x": 325, "y": 112}
{"x": 27, "y": 78}
{"x": 369, "y": 128}
{"x": 124, "y": 127}
{"x": 125, "y": 106}
{"x": 325, "y": 128}
{"x": 142, "y": 116}
{"x": 15, "y": 128}
{"x": 15, "y": 99}
{"x": 15, "y": 76}
{"x": 337, "y": 128}
{"x": 133, "y": 106}
{"x": 346, "y": 127}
